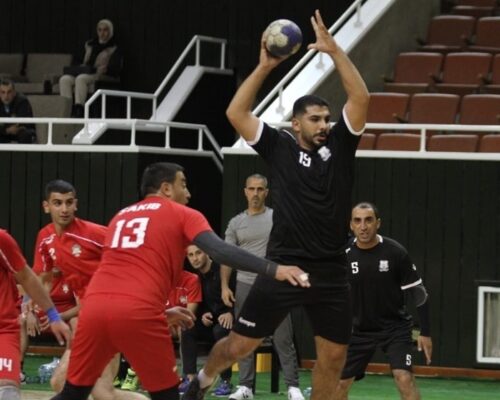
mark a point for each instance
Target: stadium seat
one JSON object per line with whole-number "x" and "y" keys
{"x": 398, "y": 142}
{"x": 487, "y": 38}
{"x": 41, "y": 71}
{"x": 433, "y": 108}
{"x": 489, "y": 143}
{"x": 459, "y": 143}
{"x": 448, "y": 33}
{"x": 463, "y": 73}
{"x": 413, "y": 72}
{"x": 57, "y": 107}
{"x": 387, "y": 107}
{"x": 473, "y": 11}
{"x": 367, "y": 141}
{"x": 11, "y": 66}
{"x": 480, "y": 109}
{"x": 493, "y": 83}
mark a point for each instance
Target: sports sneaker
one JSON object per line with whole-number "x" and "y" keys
{"x": 184, "y": 385}
{"x": 294, "y": 393}
{"x": 223, "y": 389}
{"x": 117, "y": 382}
{"x": 194, "y": 392}
{"x": 243, "y": 393}
{"x": 22, "y": 378}
{"x": 131, "y": 381}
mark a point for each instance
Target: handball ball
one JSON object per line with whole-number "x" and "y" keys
{"x": 283, "y": 37}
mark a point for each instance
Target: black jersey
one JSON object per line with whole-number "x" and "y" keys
{"x": 311, "y": 195}
{"x": 378, "y": 279}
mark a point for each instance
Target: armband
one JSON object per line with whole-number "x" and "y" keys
{"x": 53, "y": 315}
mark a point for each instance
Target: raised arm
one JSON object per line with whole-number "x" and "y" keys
{"x": 239, "y": 111}
{"x": 357, "y": 94}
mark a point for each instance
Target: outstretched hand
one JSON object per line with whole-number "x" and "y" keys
{"x": 324, "y": 41}
{"x": 266, "y": 59}
{"x": 294, "y": 275}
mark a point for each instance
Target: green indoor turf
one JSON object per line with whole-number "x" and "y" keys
{"x": 373, "y": 387}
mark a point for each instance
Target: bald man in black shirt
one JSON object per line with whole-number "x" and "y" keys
{"x": 381, "y": 273}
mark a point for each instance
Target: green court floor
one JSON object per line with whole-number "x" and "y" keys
{"x": 373, "y": 387}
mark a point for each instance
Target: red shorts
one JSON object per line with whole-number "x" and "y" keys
{"x": 10, "y": 363}
{"x": 114, "y": 324}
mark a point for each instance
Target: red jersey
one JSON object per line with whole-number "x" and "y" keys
{"x": 76, "y": 253}
{"x": 11, "y": 261}
{"x": 145, "y": 249}
{"x": 187, "y": 290}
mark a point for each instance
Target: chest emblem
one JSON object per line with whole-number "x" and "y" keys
{"x": 383, "y": 266}
{"x": 324, "y": 153}
{"x": 183, "y": 300}
{"x": 76, "y": 250}
{"x": 65, "y": 288}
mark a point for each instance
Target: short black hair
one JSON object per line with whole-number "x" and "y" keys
{"x": 58, "y": 186}
{"x": 368, "y": 205}
{"x": 7, "y": 82}
{"x": 155, "y": 174}
{"x": 300, "y": 105}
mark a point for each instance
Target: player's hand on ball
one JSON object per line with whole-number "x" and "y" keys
{"x": 294, "y": 275}
{"x": 324, "y": 41}
{"x": 180, "y": 317}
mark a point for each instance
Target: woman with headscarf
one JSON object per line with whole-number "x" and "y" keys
{"x": 100, "y": 62}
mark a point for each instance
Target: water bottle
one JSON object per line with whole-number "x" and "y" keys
{"x": 307, "y": 392}
{"x": 45, "y": 371}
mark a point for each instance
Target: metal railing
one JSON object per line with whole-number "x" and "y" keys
{"x": 195, "y": 43}
{"x": 354, "y": 8}
{"x": 205, "y": 140}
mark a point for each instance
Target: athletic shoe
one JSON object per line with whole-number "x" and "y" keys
{"x": 294, "y": 393}
{"x": 183, "y": 385}
{"x": 131, "y": 381}
{"x": 22, "y": 378}
{"x": 194, "y": 392}
{"x": 243, "y": 393}
{"x": 223, "y": 389}
{"x": 117, "y": 382}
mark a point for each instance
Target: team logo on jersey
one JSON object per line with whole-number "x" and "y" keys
{"x": 383, "y": 266}
{"x": 414, "y": 267}
{"x": 65, "y": 288}
{"x": 325, "y": 153}
{"x": 183, "y": 300}
{"x": 76, "y": 250}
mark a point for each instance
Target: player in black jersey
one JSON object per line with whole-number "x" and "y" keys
{"x": 311, "y": 171}
{"x": 382, "y": 275}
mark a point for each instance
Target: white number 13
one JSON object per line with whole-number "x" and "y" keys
{"x": 135, "y": 239}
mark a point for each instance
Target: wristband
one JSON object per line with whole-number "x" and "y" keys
{"x": 53, "y": 315}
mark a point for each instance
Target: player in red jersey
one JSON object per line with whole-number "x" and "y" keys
{"x": 142, "y": 261}
{"x": 74, "y": 246}
{"x": 13, "y": 268}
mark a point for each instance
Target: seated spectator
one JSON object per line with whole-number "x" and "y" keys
{"x": 34, "y": 321}
{"x": 101, "y": 61}
{"x": 214, "y": 320}
{"x": 15, "y": 105}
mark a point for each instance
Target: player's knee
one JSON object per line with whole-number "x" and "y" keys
{"x": 404, "y": 379}
{"x": 9, "y": 393}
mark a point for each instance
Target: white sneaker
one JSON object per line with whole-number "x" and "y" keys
{"x": 242, "y": 393}
{"x": 294, "y": 393}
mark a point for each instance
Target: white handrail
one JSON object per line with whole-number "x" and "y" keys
{"x": 195, "y": 42}
{"x": 355, "y": 7}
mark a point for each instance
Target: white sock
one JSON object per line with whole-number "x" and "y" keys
{"x": 204, "y": 379}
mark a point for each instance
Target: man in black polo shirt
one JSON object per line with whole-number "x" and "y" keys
{"x": 311, "y": 170}
{"x": 381, "y": 273}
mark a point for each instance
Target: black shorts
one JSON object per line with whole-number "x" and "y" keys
{"x": 327, "y": 305}
{"x": 397, "y": 345}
